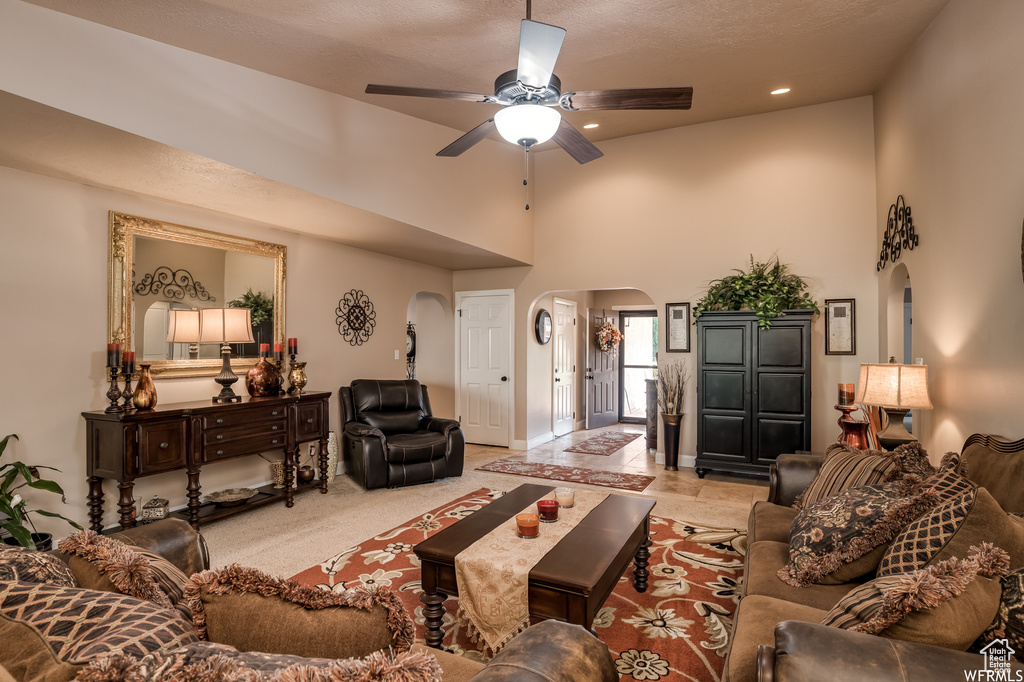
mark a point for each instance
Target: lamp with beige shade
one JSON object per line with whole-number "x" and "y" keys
{"x": 183, "y": 327}
{"x": 897, "y": 389}
{"x": 225, "y": 326}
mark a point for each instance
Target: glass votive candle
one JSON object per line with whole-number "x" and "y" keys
{"x": 527, "y": 525}
{"x": 566, "y": 497}
{"x": 548, "y": 510}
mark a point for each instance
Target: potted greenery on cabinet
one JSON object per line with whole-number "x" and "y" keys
{"x": 14, "y": 511}
{"x": 768, "y": 290}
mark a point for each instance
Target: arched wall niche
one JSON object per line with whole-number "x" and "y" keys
{"x": 431, "y": 313}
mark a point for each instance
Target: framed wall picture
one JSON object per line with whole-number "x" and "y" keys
{"x": 677, "y": 327}
{"x": 840, "y": 326}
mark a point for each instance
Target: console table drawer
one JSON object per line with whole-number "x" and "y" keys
{"x": 311, "y": 420}
{"x": 223, "y": 435}
{"x": 236, "y": 448}
{"x": 246, "y": 416}
{"x": 161, "y": 446}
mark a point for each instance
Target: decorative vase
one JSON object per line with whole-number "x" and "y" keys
{"x": 277, "y": 473}
{"x": 43, "y": 541}
{"x": 144, "y": 397}
{"x": 263, "y": 379}
{"x": 306, "y": 473}
{"x": 297, "y": 378}
{"x": 672, "y": 423}
{"x": 332, "y": 456}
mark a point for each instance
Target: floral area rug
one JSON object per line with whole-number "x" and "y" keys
{"x": 636, "y": 483}
{"x": 604, "y": 444}
{"x": 678, "y": 629}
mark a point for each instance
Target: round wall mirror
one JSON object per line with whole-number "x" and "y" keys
{"x": 543, "y": 326}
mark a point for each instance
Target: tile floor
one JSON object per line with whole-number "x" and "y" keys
{"x": 634, "y": 458}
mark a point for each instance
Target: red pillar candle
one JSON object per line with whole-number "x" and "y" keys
{"x": 528, "y": 525}
{"x": 264, "y": 349}
{"x": 279, "y": 351}
{"x": 128, "y": 358}
{"x": 293, "y": 346}
{"x": 113, "y": 355}
{"x": 548, "y": 510}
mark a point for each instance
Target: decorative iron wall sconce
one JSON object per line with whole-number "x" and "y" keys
{"x": 899, "y": 234}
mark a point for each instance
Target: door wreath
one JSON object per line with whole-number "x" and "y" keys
{"x": 607, "y": 337}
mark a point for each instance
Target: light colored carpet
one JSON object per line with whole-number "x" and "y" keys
{"x": 285, "y": 541}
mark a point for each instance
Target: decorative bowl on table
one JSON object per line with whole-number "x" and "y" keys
{"x": 231, "y": 497}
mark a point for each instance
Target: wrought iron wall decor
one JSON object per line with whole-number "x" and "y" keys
{"x": 174, "y": 284}
{"x": 899, "y": 234}
{"x": 356, "y": 317}
{"x": 410, "y": 351}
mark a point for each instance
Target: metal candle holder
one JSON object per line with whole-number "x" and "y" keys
{"x": 129, "y": 369}
{"x": 114, "y": 392}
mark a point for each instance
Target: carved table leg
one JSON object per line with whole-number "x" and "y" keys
{"x": 433, "y": 617}
{"x": 126, "y": 504}
{"x": 291, "y": 456}
{"x": 193, "y": 489}
{"x": 640, "y": 572}
{"x": 323, "y": 466}
{"x": 95, "y": 503}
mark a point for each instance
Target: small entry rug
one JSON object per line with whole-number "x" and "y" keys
{"x": 678, "y": 630}
{"x": 636, "y": 483}
{"x": 605, "y": 443}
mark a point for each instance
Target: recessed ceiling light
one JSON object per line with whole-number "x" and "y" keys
{"x": 780, "y": 91}
{"x": 591, "y": 125}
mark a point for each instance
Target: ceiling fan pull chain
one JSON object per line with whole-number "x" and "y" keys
{"x": 526, "y": 174}
{"x": 529, "y": 10}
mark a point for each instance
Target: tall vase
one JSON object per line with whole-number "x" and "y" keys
{"x": 144, "y": 397}
{"x": 673, "y": 423}
{"x": 297, "y": 378}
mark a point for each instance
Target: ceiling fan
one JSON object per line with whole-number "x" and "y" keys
{"x": 531, "y": 94}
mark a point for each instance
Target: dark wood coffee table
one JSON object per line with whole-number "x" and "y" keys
{"x": 571, "y": 582}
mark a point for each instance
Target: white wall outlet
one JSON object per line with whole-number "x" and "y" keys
{"x": 396, "y": 354}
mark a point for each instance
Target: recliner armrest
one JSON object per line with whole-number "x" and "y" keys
{"x": 358, "y": 430}
{"x": 174, "y": 540}
{"x": 808, "y": 652}
{"x": 790, "y": 475}
{"x": 551, "y": 650}
{"x": 439, "y": 425}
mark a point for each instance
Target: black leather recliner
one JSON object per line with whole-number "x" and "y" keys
{"x": 390, "y": 437}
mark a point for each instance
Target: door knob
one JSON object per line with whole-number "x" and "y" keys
{"x": 504, "y": 378}
{"x": 557, "y": 379}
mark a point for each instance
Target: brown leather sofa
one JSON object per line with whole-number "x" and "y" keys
{"x": 550, "y": 650}
{"x": 390, "y": 437}
{"x": 776, "y": 635}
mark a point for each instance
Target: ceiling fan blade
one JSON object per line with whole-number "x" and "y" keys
{"x": 573, "y": 142}
{"x": 632, "y": 98}
{"x": 469, "y": 139}
{"x": 373, "y": 89}
{"x": 539, "y": 45}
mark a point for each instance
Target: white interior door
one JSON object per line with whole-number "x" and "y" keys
{"x": 563, "y": 341}
{"x": 485, "y": 368}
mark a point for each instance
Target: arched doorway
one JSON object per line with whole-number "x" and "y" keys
{"x": 430, "y": 360}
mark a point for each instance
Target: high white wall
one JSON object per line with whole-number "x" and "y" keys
{"x": 54, "y": 236}
{"x": 667, "y": 212}
{"x": 949, "y": 138}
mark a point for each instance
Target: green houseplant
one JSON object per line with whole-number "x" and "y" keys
{"x": 260, "y": 305}
{"x": 767, "y": 289}
{"x": 14, "y": 511}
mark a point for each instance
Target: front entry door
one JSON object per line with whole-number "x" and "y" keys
{"x": 484, "y": 368}
{"x": 564, "y": 365}
{"x": 602, "y": 377}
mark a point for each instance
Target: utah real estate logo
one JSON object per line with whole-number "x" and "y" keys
{"x": 998, "y": 655}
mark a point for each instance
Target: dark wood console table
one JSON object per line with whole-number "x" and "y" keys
{"x": 127, "y": 446}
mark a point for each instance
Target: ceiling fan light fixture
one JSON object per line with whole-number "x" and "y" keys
{"x": 527, "y": 124}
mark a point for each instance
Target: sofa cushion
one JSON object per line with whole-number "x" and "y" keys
{"x": 1009, "y": 621}
{"x": 998, "y": 472}
{"x": 951, "y": 529}
{"x": 768, "y": 521}
{"x": 286, "y": 617}
{"x": 79, "y": 624}
{"x": 947, "y": 604}
{"x": 846, "y": 467}
{"x": 105, "y": 564}
{"x": 454, "y": 668}
{"x": 764, "y": 559}
{"x": 30, "y": 566}
{"x": 220, "y": 663}
{"x": 27, "y": 657}
{"x": 756, "y": 619}
{"x": 829, "y": 537}
{"x": 419, "y": 446}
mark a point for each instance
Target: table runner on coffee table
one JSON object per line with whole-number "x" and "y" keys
{"x": 493, "y": 573}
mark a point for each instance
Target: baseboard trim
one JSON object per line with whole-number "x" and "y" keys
{"x": 540, "y": 440}
{"x": 688, "y": 461}
{"x": 518, "y": 445}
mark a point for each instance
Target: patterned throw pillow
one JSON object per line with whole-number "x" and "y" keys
{"x": 80, "y": 625}
{"x": 1009, "y": 620}
{"x": 828, "y": 537}
{"x": 34, "y": 567}
{"x": 951, "y": 528}
{"x": 947, "y": 604}
{"x": 109, "y": 564}
{"x": 846, "y": 467}
{"x": 205, "y": 661}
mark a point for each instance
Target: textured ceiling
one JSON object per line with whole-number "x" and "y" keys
{"x": 733, "y": 52}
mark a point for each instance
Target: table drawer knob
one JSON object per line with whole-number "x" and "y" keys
{"x": 274, "y": 428}
{"x": 309, "y": 421}
{"x": 164, "y": 446}
{"x": 220, "y": 436}
{"x": 220, "y": 452}
{"x": 220, "y": 420}
{"x": 274, "y": 413}
{"x": 274, "y": 441}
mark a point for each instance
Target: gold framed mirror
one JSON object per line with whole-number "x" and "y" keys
{"x": 157, "y": 267}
